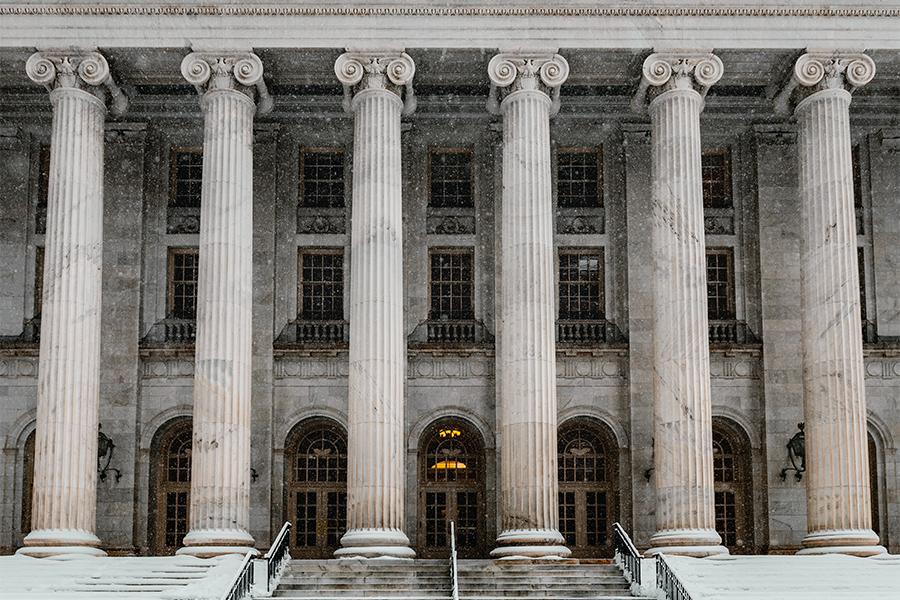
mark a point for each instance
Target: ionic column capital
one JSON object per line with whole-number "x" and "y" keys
{"x": 513, "y": 72}
{"x": 238, "y": 71}
{"x": 677, "y": 70}
{"x": 819, "y": 71}
{"x": 85, "y": 70}
{"x": 390, "y": 71}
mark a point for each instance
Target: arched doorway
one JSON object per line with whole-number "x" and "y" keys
{"x": 27, "y": 483}
{"x": 588, "y": 475}
{"x": 732, "y": 481}
{"x": 451, "y": 488}
{"x": 316, "y": 487}
{"x": 170, "y": 490}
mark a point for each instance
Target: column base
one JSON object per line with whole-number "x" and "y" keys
{"x": 855, "y": 542}
{"x": 375, "y": 543}
{"x": 207, "y": 543}
{"x": 530, "y": 544}
{"x": 60, "y": 543}
{"x": 698, "y": 543}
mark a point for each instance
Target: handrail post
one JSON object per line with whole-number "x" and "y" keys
{"x": 454, "y": 573}
{"x": 277, "y": 555}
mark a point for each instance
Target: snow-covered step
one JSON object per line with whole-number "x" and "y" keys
{"x": 350, "y": 579}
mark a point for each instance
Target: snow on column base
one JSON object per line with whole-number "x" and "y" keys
{"x": 207, "y": 543}
{"x": 698, "y": 543}
{"x": 855, "y": 542}
{"x": 375, "y": 543}
{"x": 530, "y": 544}
{"x": 60, "y": 543}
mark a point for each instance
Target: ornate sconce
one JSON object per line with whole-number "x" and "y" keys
{"x": 796, "y": 448}
{"x": 105, "y": 447}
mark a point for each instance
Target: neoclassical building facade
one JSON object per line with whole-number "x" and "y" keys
{"x": 375, "y": 270}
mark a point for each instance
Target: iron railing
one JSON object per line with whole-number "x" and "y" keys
{"x": 454, "y": 572}
{"x": 628, "y": 557}
{"x": 278, "y": 555}
{"x": 667, "y": 582}
{"x": 243, "y": 581}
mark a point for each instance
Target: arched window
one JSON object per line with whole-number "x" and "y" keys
{"x": 316, "y": 487}
{"x": 874, "y": 485}
{"x": 451, "y": 488}
{"x": 587, "y": 463}
{"x": 27, "y": 483}
{"x": 731, "y": 476}
{"x": 170, "y": 494}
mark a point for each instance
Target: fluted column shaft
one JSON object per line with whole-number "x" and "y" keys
{"x": 838, "y": 497}
{"x": 683, "y": 469}
{"x": 220, "y": 470}
{"x": 377, "y": 368}
{"x": 526, "y": 358}
{"x": 65, "y": 475}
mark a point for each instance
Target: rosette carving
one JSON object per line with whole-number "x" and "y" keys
{"x": 664, "y": 71}
{"x": 238, "y": 71}
{"x": 377, "y": 70}
{"x": 818, "y": 71}
{"x": 87, "y": 71}
{"x": 516, "y": 72}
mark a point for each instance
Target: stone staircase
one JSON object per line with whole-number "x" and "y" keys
{"x": 545, "y": 580}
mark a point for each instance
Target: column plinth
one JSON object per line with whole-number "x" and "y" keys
{"x": 374, "y": 84}
{"x": 526, "y": 348}
{"x": 65, "y": 472}
{"x": 220, "y": 471}
{"x": 839, "y": 514}
{"x": 683, "y": 460}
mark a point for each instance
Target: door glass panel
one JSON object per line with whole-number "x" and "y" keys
{"x": 436, "y": 519}
{"x": 467, "y": 519}
{"x": 567, "y": 517}
{"x": 595, "y": 517}
{"x": 336, "y": 517}
{"x": 305, "y": 519}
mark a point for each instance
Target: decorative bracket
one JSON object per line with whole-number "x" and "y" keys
{"x": 796, "y": 448}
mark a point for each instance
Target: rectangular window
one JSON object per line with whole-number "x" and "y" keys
{"x": 579, "y": 178}
{"x": 450, "y": 177}
{"x": 720, "y": 283}
{"x": 38, "y": 280}
{"x": 716, "y": 165}
{"x": 861, "y": 265}
{"x": 857, "y": 191}
{"x": 183, "y": 271}
{"x": 321, "y": 285}
{"x": 187, "y": 178}
{"x": 40, "y": 216}
{"x": 322, "y": 178}
{"x": 452, "y": 288}
{"x": 581, "y": 289}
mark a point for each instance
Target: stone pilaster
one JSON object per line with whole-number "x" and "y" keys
{"x": 683, "y": 473}
{"x": 839, "y": 518}
{"x": 231, "y": 86}
{"x": 526, "y": 356}
{"x": 65, "y": 475}
{"x": 378, "y": 89}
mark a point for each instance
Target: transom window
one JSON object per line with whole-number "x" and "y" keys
{"x": 321, "y": 457}
{"x": 581, "y": 285}
{"x": 184, "y": 266}
{"x": 448, "y": 456}
{"x": 187, "y": 177}
{"x": 579, "y": 178}
{"x": 716, "y": 165}
{"x": 450, "y": 177}
{"x": 720, "y": 283}
{"x": 322, "y": 284}
{"x": 322, "y": 178}
{"x": 452, "y": 286}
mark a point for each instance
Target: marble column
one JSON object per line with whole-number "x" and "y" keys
{"x": 377, "y": 90}
{"x": 525, "y": 91}
{"x": 838, "y": 499}
{"x": 232, "y": 92}
{"x": 65, "y": 475}
{"x": 683, "y": 460}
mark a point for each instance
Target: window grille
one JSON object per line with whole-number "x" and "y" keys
{"x": 450, "y": 179}
{"x": 322, "y": 178}
{"x": 716, "y": 167}
{"x": 581, "y": 288}
{"x": 452, "y": 285}
{"x": 183, "y": 272}
{"x": 579, "y": 178}
{"x": 321, "y": 285}
{"x": 720, "y": 284}
{"x": 187, "y": 178}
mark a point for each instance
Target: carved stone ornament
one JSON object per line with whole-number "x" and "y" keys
{"x": 377, "y": 70}
{"x": 819, "y": 71}
{"x": 518, "y": 72}
{"x": 239, "y": 71}
{"x": 82, "y": 70}
{"x": 682, "y": 70}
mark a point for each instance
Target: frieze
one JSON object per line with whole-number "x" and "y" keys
{"x": 592, "y": 367}
{"x": 734, "y": 367}
{"x": 311, "y": 367}
{"x": 321, "y": 224}
{"x": 580, "y": 224}
{"x": 887, "y": 367}
{"x": 13, "y": 367}
{"x": 166, "y": 367}
{"x": 718, "y": 224}
{"x": 181, "y": 220}
{"x": 450, "y": 366}
{"x": 450, "y": 224}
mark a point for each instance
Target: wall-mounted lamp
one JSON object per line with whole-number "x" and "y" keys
{"x": 796, "y": 448}
{"x": 649, "y": 472}
{"x": 105, "y": 447}
{"x": 253, "y": 475}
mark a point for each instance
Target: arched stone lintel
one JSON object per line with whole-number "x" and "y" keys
{"x": 880, "y": 430}
{"x": 605, "y": 417}
{"x": 20, "y": 430}
{"x": 416, "y": 431}
{"x": 160, "y": 421}
{"x": 739, "y": 422}
{"x": 289, "y": 425}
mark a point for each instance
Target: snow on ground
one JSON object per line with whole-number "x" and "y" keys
{"x": 831, "y": 577}
{"x": 138, "y": 578}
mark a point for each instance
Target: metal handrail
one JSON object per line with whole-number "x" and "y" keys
{"x": 667, "y": 582}
{"x": 242, "y": 582}
{"x": 454, "y": 572}
{"x": 278, "y": 555}
{"x": 628, "y": 557}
